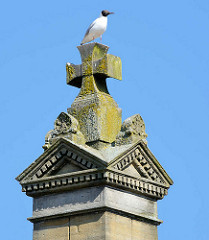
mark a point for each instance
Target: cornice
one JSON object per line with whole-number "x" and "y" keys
{"x": 94, "y": 177}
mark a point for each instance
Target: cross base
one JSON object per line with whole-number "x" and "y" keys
{"x": 98, "y": 115}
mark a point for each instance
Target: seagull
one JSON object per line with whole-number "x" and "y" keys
{"x": 97, "y": 28}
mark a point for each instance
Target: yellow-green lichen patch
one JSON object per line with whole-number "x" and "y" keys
{"x": 98, "y": 115}
{"x": 88, "y": 86}
{"x": 110, "y": 116}
{"x": 114, "y": 67}
{"x": 102, "y": 66}
{"x": 99, "y": 52}
{"x": 70, "y": 72}
{"x": 87, "y": 68}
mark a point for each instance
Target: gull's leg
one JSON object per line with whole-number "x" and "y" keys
{"x": 101, "y": 38}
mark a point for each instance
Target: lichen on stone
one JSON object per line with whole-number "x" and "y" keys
{"x": 87, "y": 67}
{"x": 102, "y": 66}
{"x": 70, "y": 71}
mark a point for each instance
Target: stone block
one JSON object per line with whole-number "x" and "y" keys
{"x": 87, "y": 227}
{"x": 51, "y": 229}
{"x": 98, "y": 115}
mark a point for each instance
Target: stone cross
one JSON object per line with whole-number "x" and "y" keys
{"x": 96, "y": 111}
{"x": 96, "y": 66}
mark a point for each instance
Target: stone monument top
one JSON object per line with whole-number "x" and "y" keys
{"x": 96, "y": 111}
{"x": 94, "y": 117}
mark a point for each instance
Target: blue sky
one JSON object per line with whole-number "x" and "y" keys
{"x": 164, "y": 47}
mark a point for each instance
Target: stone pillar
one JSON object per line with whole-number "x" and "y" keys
{"x": 96, "y": 179}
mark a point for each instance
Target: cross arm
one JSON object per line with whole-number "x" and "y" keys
{"x": 74, "y": 74}
{"x": 110, "y": 66}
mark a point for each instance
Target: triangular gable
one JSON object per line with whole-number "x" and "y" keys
{"x": 62, "y": 158}
{"x": 67, "y": 165}
{"x": 139, "y": 159}
{"x": 131, "y": 170}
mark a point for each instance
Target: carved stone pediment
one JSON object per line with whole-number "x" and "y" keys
{"x": 66, "y": 165}
{"x": 64, "y": 158}
{"x": 141, "y": 163}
